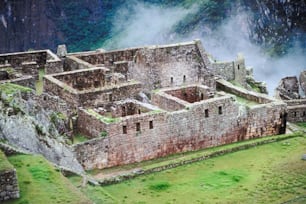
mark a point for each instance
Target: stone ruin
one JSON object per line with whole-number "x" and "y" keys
{"x": 9, "y": 188}
{"x": 143, "y": 103}
{"x": 23, "y": 67}
{"x": 292, "y": 91}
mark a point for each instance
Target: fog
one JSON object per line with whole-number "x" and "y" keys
{"x": 146, "y": 24}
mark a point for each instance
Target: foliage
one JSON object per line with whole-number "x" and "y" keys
{"x": 104, "y": 133}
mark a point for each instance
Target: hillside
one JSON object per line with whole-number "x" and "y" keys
{"x": 84, "y": 25}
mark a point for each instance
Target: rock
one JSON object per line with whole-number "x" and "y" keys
{"x": 35, "y": 133}
{"x": 61, "y": 51}
{"x": 288, "y": 88}
{"x": 302, "y": 79}
{"x": 304, "y": 157}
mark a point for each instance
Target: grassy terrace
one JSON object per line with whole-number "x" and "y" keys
{"x": 102, "y": 118}
{"x": 4, "y": 164}
{"x": 270, "y": 173}
{"x": 245, "y": 101}
{"x": 40, "y": 182}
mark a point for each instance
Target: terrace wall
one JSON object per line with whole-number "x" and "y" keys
{"x": 179, "y": 131}
{"x": 8, "y": 185}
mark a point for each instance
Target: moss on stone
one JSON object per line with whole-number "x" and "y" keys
{"x": 11, "y": 89}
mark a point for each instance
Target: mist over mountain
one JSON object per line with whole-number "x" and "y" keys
{"x": 271, "y": 34}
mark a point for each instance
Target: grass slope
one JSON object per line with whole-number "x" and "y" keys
{"x": 271, "y": 173}
{"x": 4, "y": 164}
{"x": 39, "y": 182}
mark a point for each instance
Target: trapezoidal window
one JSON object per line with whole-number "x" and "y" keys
{"x": 220, "y": 110}
{"x": 294, "y": 113}
{"x": 304, "y": 113}
{"x": 123, "y": 111}
{"x": 184, "y": 78}
{"x": 171, "y": 80}
{"x": 124, "y": 130}
{"x": 151, "y": 124}
{"x": 206, "y": 113}
{"x": 110, "y": 97}
{"x": 137, "y": 127}
{"x": 238, "y": 67}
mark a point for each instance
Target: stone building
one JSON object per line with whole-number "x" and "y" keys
{"x": 292, "y": 92}
{"x": 143, "y": 103}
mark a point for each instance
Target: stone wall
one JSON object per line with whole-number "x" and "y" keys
{"x": 105, "y": 97}
{"x": 170, "y": 66}
{"x": 95, "y": 92}
{"x": 72, "y": 63}
{"x": 110, "y": 57}
{"x": 224, "y": 69}
{"x": 154, "y": 66}
{"x": 84, "y": 79}
{"x": 223, "y": 85}
{"x": 57, "y": 88}
{"x": 33, "y": 60}
{"x": 8, "y": 180}
{"x": 27, "y": 81}
{"x": 208, "y": 123}
{"x": 232, "y": 71}
{"x": 8, "y": 185}
{"x": 296, "y": 110}
{"x": 27, "y": 65}
{"x": 191, "y": 93}
{"x": 168, "y": 102}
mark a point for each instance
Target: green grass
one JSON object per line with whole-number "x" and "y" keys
{"x": 4, "y": 164}
{"x": 301, "y": 124}
{"x": 40, "y": 182}
{"x": 79, "y": 138}
{"x": 245, "y": 101}
{"x": 235, "y": 83}
{"x": 10, "y": 90}
{"x": 174, "y": 158}
{"x": 102, "y": 118}
{"x": 271, "y": 173}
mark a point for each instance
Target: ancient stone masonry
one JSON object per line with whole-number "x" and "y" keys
{"x": 143, "y": 103}
{"x": 23, "y": 67}
{"x": 237, "y": 71}
{"x": 8, "y": 180}
{"x": 155, "y": 66}
{"x": 292, "y": 92}
{"x": 90, "y": 87}
{"x": 194, "y": 119}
